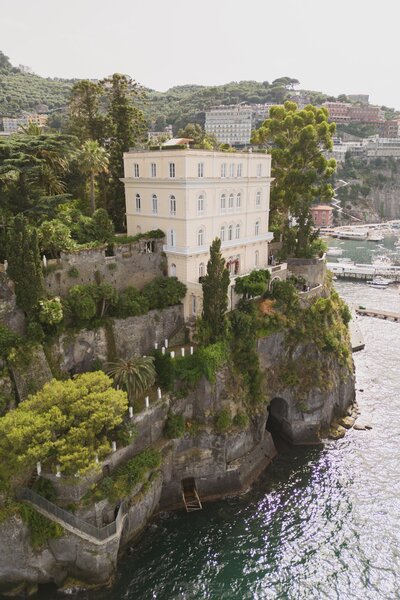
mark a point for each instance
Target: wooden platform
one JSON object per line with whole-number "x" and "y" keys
{"x": 380, "y": 314}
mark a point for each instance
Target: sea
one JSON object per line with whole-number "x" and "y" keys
{"x": 320, "y": 523}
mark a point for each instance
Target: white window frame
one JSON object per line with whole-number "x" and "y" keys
{"x": 231, "y": 201}
{"x": 259, "y": 169}
{"x": 200, "y": 204}
{"x": 172, "y": 170}
{"x": 222, "y": 233}
{"x": 230, "y": 233}
{"x": 154, "y": 204}
{"x": 153, "y": 170}
{"x": 202, "y": 270}
{"x": 200, "y": 169}
{"x": 172, "y": 206}
{"x": 257, "y": 227}
{"x": 237, "y": 231}
{"x": 136, "y": 170}
{"x": 173, "y": 270}
{"x": 138, "y": 203}
{"x": 258, "y": 198}
{"x": 223, "y": 170}
{"x": 200, "y": 237}
{"x": 238, "y": 200}
{"x": 223, "y": 202}
{"x": 172, "y": 237}
{"x": 256, "y": 258}
{"x": 232, "y": 170}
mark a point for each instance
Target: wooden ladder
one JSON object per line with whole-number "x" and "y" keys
{"x": 191, "y": 498}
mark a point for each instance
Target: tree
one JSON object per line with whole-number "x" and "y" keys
{"x": 163, "y": 292}
{"x": 126, "y": 125}
{"x": 24, "y": 265}
{"x": 86, "y": 120}
{"x": 93, "y": 160}
{"x": 215, "y": 293}
{"x": 135, "y": 375}
{"x": 255, "y": 284}
{"x": 102, "y": 226}
{"x": 301, "y": 171}
{"x": 54, "y": 237}
{"x": 200, "y": 138}
{"x": 67, "y": 423}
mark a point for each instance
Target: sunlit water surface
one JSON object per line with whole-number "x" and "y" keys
{"x": 320, "y": 523}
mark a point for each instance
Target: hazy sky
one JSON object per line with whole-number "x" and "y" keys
{"x": 340, "y": 46}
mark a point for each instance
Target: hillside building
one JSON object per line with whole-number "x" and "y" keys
{"x": 195, "y": 196}
{"x": 322, "y": 215}
{"x": 14, "y": 124}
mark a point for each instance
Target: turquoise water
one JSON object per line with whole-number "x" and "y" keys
{"x": 365, "y": 252}
{"x": 321, "y": 523}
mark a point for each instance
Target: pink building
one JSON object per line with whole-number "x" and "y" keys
{"x": 322, "y": 215}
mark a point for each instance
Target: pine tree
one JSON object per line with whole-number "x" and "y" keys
{"x": 215, "y": 293}
{"x": 25, "y": 267}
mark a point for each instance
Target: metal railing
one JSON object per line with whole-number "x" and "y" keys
{"x": 99, "y": 533}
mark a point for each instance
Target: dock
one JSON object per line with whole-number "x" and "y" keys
{"x": 378, "y": 313}
{"x": 356, "y": 337}
{"x": 363, "y": 271}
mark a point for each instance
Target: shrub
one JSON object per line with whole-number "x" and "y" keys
{"x": 80, "y": 303}
{"x": 164, "y": 291}
{"x": 73, "y": 273}
{"x": 45, "y": 488}
{"x": 131, "y": 303}
{"x": 254, "y": 284}
{"x": 35, "y": 332}
{"x": 241, "y": 420}
{"x": 50, "y": 311}
{"x": 223, "y": 421}
{"x": 41, "y": 529}
{"x": 345, "y": 313}
{"x": 8, "y": 339}
{"x": 174, "y": 426}
{"x": 164, "y": 366}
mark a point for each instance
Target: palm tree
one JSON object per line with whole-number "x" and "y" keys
{"x": 135, "y": 375}
{"x": 94, "y": 160}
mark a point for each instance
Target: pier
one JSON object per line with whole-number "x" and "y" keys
{"x": 380, "y": 314}
{"x": 363, "y": 272}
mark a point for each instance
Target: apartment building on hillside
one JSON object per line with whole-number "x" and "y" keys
{"x": 195, "y": 196}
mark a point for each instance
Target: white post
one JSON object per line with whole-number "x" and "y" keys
{"x": 155, "y": 346}
{"x": 172, "y": 354}
{"x": 182, "y": 352}
{"x": 96, "y": 459}
{"x": 163, "y": 350}
{"x": 44, "y": 261}
{"x": 191, "y": 349}
{"x": 159, "y": 393}
{"x": 58, "y": 473}
{"x": 130, "y": 412}
{"x": 114, "y": 446}
{"x": 5, "y": 265}
{"x": 166, "y": 342}
{"x": 147, "y": 403}
{"x": 38, "y": 468}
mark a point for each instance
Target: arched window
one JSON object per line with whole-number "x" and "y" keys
{"x": 200, "y": 204}
{"x": 222, "y": 234}
{"x": 257, "y": 228}
{"x": 172, "y": 206}
{"x": 237, "y": 231}
{"x": 200, "y": 237}
{"x": 173, "y": 270}
{"x": 238, "y": 200}
{"x": 223, "y": 202}
{"x": 172, "y": 237}
{"x": 202, "y": 270}
{"x": 138, "y": 203}
{"x": 230, "y": 203}
{"x": 230, "y": 232}
{"x": 256, "y": 258}
{"x": 258, "y": 199}
{"x": 154, "y": 204}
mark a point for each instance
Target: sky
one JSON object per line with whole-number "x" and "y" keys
{"x": 340, "y": 46}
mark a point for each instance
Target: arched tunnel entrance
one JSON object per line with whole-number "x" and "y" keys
{"x": 277, "y": 421}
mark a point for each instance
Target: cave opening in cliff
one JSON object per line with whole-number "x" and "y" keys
{"x": 277, "y": 417}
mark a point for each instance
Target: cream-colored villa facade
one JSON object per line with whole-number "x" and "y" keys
{"x": 195, "y": 196}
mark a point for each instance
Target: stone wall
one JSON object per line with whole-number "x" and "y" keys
{"x": 79, "y": 352}
{"x": 132, "y": 265}
{"x": 311, "y": 269}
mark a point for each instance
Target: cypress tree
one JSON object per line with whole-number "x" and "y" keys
{"x": 25, "y": 267}
{"x": 215, "y": 293}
